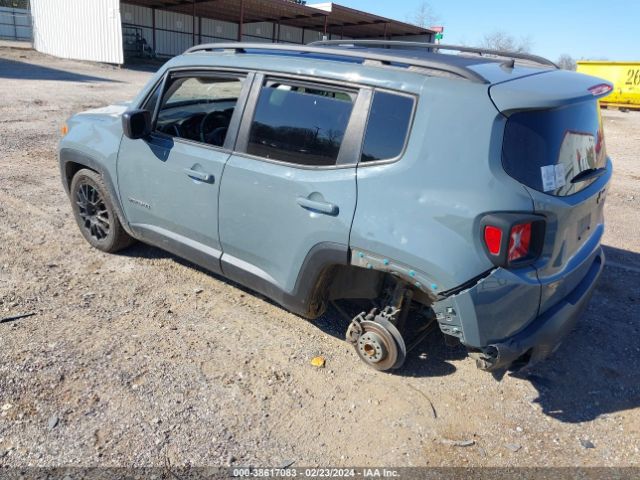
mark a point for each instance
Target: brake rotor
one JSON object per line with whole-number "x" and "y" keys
{"x": 397, "y": 336}
{"x": 377, "y": 345}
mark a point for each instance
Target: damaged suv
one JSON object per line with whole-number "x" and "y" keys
{"x": 425, "y": 189}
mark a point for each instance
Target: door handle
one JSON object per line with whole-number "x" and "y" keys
{"x": 202, "y": 176}
{"x": 317, "y": 206}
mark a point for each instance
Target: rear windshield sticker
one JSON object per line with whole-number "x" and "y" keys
{"x": 561, "y": 180}
{"x": 548, "y": 177}
{"x": 577, "y": 153}
{"x": 553, "y": 177}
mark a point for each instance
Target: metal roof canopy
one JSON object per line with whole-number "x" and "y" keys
{"x": 330, "y": 19}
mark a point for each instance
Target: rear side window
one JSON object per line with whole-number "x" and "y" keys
{"x": 388, "y": 126}
{"x": 297, "y": 124}
{"x": 547, "y": 149}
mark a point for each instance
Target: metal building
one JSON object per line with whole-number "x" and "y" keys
{"x": 79, "y": 29}
{"x": 113, "y": 31}
{"x": 15, "y": 20}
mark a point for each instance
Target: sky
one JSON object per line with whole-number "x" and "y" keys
{"x": 588, "y": 29}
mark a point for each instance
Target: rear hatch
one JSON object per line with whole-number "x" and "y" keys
{"x": 554, "y": 145}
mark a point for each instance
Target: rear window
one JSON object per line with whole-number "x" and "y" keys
{"x": 546, "y": 149}
{"x": 387, "y": 127}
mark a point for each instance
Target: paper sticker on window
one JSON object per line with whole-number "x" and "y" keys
{"x": 548, "y": 177}
{"x": 561, "y": 179}
{"x": 553, "y": 177}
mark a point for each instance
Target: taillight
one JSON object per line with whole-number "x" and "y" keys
{"x": 512, "y": 239}
{"x": 493, "y": 239}
{"x": 519, "y": 241}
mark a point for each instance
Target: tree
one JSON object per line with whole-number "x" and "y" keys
{"x": 567, "y": 62}
{"x": 424, "y": 16}
{"x": 501, "y": 40}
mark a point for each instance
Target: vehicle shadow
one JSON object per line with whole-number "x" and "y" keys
{"x": 430, "y": 358}
{"x": 149, "y": 252}
{"x": 15, "y": 70}
{"x": 596, "y": 370}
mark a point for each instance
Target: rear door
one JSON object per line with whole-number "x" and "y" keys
{"x": 558, "y": 152}
{"x": 290, "y": 187}
{"x": 169, "y": 182}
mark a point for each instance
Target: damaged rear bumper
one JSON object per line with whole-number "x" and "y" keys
{"x": 541, "y": 336}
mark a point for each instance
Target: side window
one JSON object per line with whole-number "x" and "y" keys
{"x": 298, "y": 124}
{"x": 199, "y": 108}
{"x": 388, "y": 126}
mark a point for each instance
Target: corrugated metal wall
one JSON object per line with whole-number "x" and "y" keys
{"x": 174, "y": 31}
{"x": 418, "y": 38}
{"x": 140, "y": 17}
{"x": 104, "y": 30}
{"x": 258, "y": 32}
{"x": 78, "y": 29}
{"x": 218, "y": 31}
{"x": 290, "y": 34}
{"x": 15, "y": 23}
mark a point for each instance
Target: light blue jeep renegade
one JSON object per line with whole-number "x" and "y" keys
{"x": 462, "y": 190}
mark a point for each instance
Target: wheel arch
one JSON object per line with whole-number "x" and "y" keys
{"x": 72, "y": 161}
{"x": 327, "y": 274}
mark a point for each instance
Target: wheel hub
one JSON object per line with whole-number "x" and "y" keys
{"x": 377, "y": 343}
{"x": 93, "y": 211}
{"x": 372, "y": 348}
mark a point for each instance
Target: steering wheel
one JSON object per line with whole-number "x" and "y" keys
{"x": 213, "y": 128}
{"x": 172, "y": 129}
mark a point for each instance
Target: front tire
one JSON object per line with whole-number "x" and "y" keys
{"x": 94, "y": 213}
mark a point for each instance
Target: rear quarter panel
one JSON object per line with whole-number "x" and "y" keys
{"x": 423, "y": 210}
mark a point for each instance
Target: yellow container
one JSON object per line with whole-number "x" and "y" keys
{"x": 625, "y": 77}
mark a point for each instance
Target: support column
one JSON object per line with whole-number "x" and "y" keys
{"x": 241, "y": 22}
{"x": 386, "y": 26}
{"x": 326, "y": 27}
{"x": 153, "y": 28}
{"x": 193, "y": 23}
{"x": 15, "y": 24}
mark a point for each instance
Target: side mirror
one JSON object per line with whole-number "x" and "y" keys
{"x": 136, "y": 124}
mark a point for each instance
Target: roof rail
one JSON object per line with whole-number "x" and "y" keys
{"x": 383, "y": 59}
{"x": 459, "y": 48}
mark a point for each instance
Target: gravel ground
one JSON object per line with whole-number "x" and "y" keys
{"x": 141, "y": 359}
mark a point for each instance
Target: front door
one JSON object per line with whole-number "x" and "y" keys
{"x": 291, "y": 187}
{"x": 169, "y": 183}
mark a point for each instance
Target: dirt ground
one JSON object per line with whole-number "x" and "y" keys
{"x": 141, "y": 359}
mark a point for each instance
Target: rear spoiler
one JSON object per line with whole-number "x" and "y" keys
{"x": 551, "y": 89}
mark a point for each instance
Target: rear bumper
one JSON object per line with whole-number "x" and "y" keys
{"x": 544, "y": 334}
